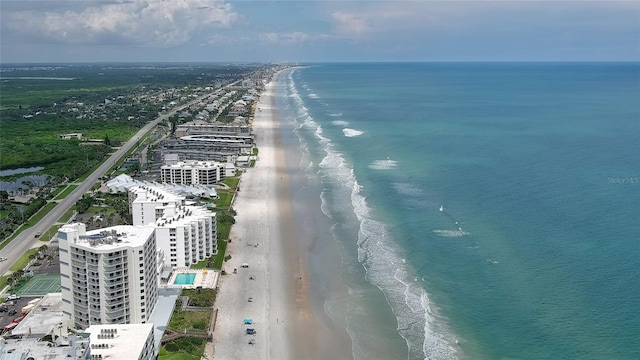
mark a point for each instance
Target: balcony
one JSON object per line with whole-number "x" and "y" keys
{"x": 78, "y": 263}
{"x": 114, "y": 314}
{"x": 112, "y": 267}
{"x": 80, "y": 290}
{"x": 81, "y": 307}
{"x": 110, "y": 296}
{"x": 119, "y": 281}
{"x": 122, "y": 300}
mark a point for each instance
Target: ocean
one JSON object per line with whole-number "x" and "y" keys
{"x": 470, "y": 210}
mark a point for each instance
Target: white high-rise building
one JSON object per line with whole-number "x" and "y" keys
{"x": 186, "y": 234}
{"x": 192, "y": 172}
{"x": 108, "y": 276}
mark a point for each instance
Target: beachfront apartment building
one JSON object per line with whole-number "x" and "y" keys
{"x": 108, "y": 276}
{"x": 193, "y": 172}
{"x": 208, "y": 148}
{"x": 237, "y": 128}
{"x": 185, "y": 233}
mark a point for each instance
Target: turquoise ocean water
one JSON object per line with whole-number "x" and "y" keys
{"x": 472, "y": 211}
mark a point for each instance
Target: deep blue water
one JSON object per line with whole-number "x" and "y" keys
{"x": 482, "y": 211}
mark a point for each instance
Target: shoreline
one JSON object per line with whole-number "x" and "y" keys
{"x": 265, "y": 237}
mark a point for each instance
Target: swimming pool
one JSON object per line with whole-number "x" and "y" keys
{"x": 185, "y": 279}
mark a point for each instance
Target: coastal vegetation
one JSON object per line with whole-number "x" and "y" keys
{"x": 185, "y": 348}
{"x": 194, "y": 321}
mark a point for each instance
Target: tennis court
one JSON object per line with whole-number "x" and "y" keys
{"x": 41, "y": 285}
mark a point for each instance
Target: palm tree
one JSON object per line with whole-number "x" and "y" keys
{"x": 43, "y": 248}
{"x": 10, "y": 282}
{"x": 19, "y": 273}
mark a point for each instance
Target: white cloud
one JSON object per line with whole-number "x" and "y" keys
{"x": 349, "y": 24}
{"x": 288, "y": 38}
{"x": 148, "y": 22}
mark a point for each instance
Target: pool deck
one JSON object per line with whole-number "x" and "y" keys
{"x": 205, "y": 278}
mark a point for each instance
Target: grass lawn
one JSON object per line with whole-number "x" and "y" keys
{"x": 50, "y": 234}
{"x": 40, "y": 214}
{"x": 232, "y": 182}
{"x": 186, "y": 348}
{"x": 58, "y": 190}
{"x": 218, "y": 259}
{"x": 224, "y": 200}
{"x": 68, "y": 214}
{"x": 66, "y": 192}
{"x": 23, "y": 261}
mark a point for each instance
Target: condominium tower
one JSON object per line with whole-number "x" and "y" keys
{"x": 192, "y": 172}
{"x": 108, "y": 276}
{"x": 186, "y": 234}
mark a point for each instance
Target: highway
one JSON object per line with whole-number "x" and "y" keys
{"x": 27, "y": 239}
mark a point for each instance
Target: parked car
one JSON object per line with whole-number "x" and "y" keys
{"x": 13, "y": 312}
{"x": 4, "y": 308}
{"x": 13, "y": 297}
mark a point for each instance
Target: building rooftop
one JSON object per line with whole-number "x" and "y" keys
{"x": 184, "y": 215}
{"x": 120, "y": 341}
{"x": 193, "y": 164}
{"x": 115, "y": 237}
{"x": 43, "y": 318}
{"x": 122, "y": 183}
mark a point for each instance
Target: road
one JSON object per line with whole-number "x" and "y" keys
{"x": 23, "y": 242}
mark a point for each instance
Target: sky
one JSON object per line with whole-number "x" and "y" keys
{"x": 48, "y": 31}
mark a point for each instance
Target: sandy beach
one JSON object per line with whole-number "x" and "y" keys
{"x": 264, "y": 237}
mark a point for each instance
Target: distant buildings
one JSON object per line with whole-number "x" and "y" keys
{"x": 221, "y": 142}
{"x": 193, "y": 173}
{"x": 108, "y": 276}
{"x": 71, "y": 136}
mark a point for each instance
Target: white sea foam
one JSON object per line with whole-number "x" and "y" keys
{"x": 387, "y": 164}
{"x": 340, "y": 123}
{"x": 352, "y": 132}
{"x": 450, "y": 233}
{"x": 335, "y": 114}
{"x": 407, "y": 189}
{"x": 423, "y": 330}
{"x": 313, "y": 96}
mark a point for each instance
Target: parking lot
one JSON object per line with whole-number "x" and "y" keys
{"x": 14, "y": 305}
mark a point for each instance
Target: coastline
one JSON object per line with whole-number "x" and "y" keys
{"x": 265, "y": 237}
